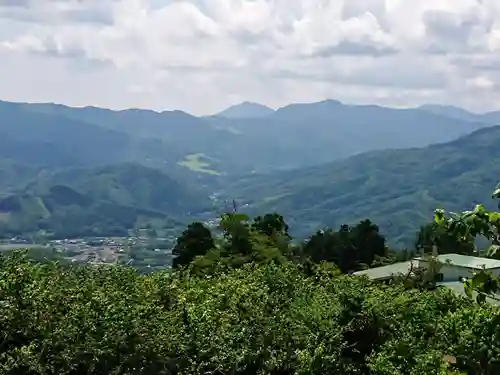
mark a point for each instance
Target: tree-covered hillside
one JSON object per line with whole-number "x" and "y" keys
{"x": 99, "y": 201}
{"x": 398, "y": 189}
{"x": 129, "y": 185}
{"x": 50, "y": 141}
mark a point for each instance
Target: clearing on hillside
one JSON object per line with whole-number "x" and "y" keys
{"x": 195, "y": 163}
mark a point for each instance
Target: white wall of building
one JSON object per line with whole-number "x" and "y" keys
{"x": 455, "y": 273}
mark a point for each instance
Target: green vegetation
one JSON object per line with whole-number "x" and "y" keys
{"x": 195, "y": 163}
{"x": 244, "y": 300}
{"x": 253, "y": 320}
{"x": 465, "y": 228}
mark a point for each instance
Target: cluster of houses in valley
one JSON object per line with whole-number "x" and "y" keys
{"x": 102, "y": 250}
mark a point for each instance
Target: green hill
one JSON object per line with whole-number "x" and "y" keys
{"x": 99, "y": 201}
{"x": 129, "y": 185}
{"x": 14, "y": 174}
{"x": 397, "y": 189}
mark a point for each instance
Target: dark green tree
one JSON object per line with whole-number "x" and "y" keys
{"x": 368, "y": 242}
{"x": 271, "y": 224}
{"x": 349, "y": 248}
{"x": 331, "y": 246}
{"x": 196, "y": 240}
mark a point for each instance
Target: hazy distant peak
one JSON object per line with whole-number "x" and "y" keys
{"x": 449, "y": 111}
{"x": 322, "y": 103}
{"x": 246, "y": 110}
{"x": 330, "y": 102}
{"x": 314, "y": 109}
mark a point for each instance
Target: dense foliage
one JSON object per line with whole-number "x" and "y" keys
{"x": 256, "y": 319}
{"x": 465, "y": 228}
{"x": 245, "y": 300}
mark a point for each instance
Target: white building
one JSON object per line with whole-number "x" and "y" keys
{"x": 453, "y": 269}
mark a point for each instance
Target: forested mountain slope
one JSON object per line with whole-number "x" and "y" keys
{"x": 100, "y": 201}
{"x": 398, "y": 189}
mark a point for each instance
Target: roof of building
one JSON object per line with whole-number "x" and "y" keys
{"x": 468, "y": 261}
{"x": 385, "y": 272}
{"x": 458, "y": 287}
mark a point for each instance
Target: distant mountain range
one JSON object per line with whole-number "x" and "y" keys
{"x": 294, "y": 136}
{"x": 462, "y": 114}
{"x": 93, "y": 170}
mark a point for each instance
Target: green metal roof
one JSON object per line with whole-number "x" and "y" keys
{"x": 468, "y": 261}
{"x": 385, "y": 272}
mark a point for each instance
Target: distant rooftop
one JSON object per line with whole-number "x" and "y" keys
{"x": 385, "y": 272}
{"x": 468, "y": 261}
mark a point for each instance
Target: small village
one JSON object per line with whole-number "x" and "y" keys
{"x": 140, "y": 251}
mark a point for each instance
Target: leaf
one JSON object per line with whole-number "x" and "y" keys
{"x": 481, "y": 298}
{"x": 439, "y": 216}
{"x": 479, "y": 280}
{"x": 494, "y": 216}
{"x": 468, "y": 288}
{"x": 479, "y": 208}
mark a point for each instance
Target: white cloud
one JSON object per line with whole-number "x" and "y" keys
{"x": 202, "y": 55}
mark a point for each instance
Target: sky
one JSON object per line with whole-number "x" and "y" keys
{"x": 201, "y": 56}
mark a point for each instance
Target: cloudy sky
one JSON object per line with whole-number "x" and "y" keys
{"x": 203, "y": 55}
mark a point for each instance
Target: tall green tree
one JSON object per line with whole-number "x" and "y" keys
{"x": 195, "y": 241}
{"x": 271, "y": 224}
{"x": 236, "y": 229}
{"x": 368, "y": 242}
